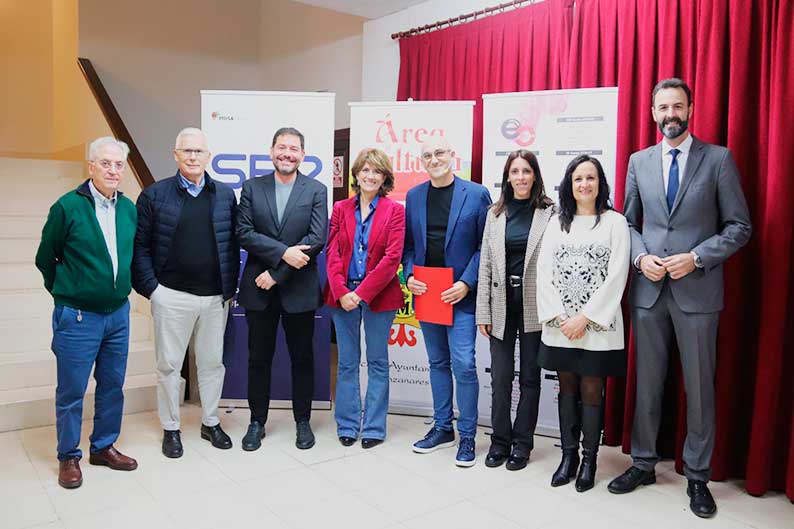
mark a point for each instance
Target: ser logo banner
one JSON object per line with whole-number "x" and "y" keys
{"x": 234, "y": 169}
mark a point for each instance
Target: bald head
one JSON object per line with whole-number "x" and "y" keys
{"x": 437, "y": 156}
{"x": 435, "y": 142}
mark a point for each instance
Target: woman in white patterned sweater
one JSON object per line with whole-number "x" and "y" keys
{"x": 582, "y": 270}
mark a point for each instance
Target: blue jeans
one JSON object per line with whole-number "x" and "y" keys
{"x": 348, "y": 388}
{"x": 453, "y": 345}
{"x": 80, "y": 340}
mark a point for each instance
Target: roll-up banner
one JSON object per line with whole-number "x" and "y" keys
{"x": 399, "y": 129}
{"x": 557, "y": 126}
{"x": 239, "y": 126}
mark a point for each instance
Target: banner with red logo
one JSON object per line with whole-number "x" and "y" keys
{"x": 557, "y": 126}
{"x": 399, "y": 129}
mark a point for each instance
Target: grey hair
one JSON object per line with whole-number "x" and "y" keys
{"x": 189, "y": 131}
{"x": 97, "y": 144}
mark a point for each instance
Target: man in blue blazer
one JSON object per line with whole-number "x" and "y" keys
{"x": 445, "y": 218}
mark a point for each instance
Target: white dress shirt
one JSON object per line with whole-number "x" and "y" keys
{"x": 667, "y": 160}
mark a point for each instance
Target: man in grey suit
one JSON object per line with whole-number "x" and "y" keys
{"x": 283, "y": 225}
{"x": 687, "y": 215}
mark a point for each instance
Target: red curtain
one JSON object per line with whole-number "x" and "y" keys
{"x": 735, "y": 54}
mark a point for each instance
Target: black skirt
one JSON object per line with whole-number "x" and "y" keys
{"x": 583, "y": 362}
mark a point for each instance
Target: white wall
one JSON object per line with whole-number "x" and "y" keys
{"x": 381, "y": 68}
{"x": 310, "y": 49}
{"x": 155, "y": 56}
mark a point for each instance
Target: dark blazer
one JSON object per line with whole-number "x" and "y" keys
{"x": 159, "y": 209}
{"x": 305, "y": 221}
{"x": 467, "y": 213}
{"x": 380, "y": 288}
{"x": 709, "y": 217}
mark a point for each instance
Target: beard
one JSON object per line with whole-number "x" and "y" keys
{"x": 285, "y": 167}
{"x": 673, "y": 127}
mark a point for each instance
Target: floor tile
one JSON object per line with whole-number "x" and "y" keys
{"x": 344, "y": 511}
{"x": 330, "y": 486}
{"x": 145, "y": 515}
{"x": 465, "y": 515}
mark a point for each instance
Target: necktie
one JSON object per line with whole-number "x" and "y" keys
{"x": 672, "y": 180}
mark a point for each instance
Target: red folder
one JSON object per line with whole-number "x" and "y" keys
{"x": 428, "y": 307}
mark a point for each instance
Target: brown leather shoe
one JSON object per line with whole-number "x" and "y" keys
{"x": 69, "y": 474}
{"x": 110, "y": 457}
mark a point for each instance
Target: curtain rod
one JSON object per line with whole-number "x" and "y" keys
{"x": 460, "y": 19}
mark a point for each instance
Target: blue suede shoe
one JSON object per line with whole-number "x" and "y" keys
{"x": 465, "y": 457}
{"x": 434, "y": 440}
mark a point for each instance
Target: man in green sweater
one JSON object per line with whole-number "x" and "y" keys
{"x": 84, "y": 256}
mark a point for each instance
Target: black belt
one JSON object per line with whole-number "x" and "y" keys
{"x": 354, "y": 282}
{"x": 515, "y": 281}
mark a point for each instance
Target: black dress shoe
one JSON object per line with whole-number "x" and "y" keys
{"x": 253, "y": 437}
{"x": 172, "y": 444}
{"x": 347, "y": 441}
{"x": 631, "y": 479}
{"x": 216, "y": 436}
{"x": 495, "y": 459}
{"x": 304, "y": 437}
{"x": 701, "y": 502}
{"x": 368, "y": 442}
{"x": 516, "y": 462}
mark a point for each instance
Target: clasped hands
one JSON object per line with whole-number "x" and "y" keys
{"x": 293, "y": 256}
{"x": 452, "y": 295}
{"x": 655, "y": 268}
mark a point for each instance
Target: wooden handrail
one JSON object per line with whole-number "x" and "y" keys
{"x": 137, "y": 163}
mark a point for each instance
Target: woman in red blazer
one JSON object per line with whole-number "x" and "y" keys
{"x": 365, "y": 245}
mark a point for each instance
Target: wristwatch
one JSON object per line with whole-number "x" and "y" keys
{"x": 698, "y": 260}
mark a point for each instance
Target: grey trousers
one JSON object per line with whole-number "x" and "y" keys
{"x": 182, "y": 319}
{"x": 696, "y": 336}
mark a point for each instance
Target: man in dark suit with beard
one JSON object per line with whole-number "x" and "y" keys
{"x": 283, "y": 224}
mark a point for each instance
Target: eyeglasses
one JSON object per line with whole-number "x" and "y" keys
{"x": 107, "y": 164}
{"x": 439, "y": 154}
{"x": 189, "y": 153}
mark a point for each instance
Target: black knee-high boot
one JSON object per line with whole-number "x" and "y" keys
{"x": 591, "y": 438}
{"x": 570, "y": 424}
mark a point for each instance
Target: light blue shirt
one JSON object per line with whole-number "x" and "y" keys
{"x": 190, "y": 187}
{"x": 105, "y": 209}
{"x": 358, "y": 261}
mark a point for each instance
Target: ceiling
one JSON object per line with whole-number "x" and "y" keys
{"x": 364, "y": 8}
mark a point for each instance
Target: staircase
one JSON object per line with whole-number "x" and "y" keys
{"x": 27, "y": 366}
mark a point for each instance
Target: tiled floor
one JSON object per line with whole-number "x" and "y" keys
{"x": 330, "y": 486}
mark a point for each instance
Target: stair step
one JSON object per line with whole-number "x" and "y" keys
{"x": 38, "y": 303}
{"x": 22, "y": 226}
{"x": 37, "y": 171}
{"x": 18, "y": 250}
{"x": 34, "y": 407}
{"x": 35, "y": 334}
{"x": 39, "y": 368}
{"x": 33, "y": 196}
{"x": 14, "y": 276}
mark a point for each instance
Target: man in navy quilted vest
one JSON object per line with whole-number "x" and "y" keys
{"x": 186, "y": 262}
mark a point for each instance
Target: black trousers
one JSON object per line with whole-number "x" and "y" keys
{"x": 518, "y": 436}
{"x": 262, "y": 331}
